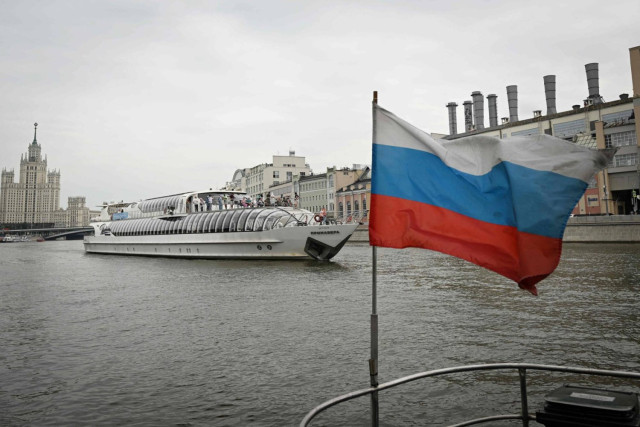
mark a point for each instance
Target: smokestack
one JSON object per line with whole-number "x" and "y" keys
{"x": 468, "y": 115}
{"x": 512, "y": 99}
{"x": 592, "y": 82}
{"x": 478, "y": 109}
{"x": 550, "y": 93}
{"x": 493, "y": 109}
{"x": 453, "y": 121}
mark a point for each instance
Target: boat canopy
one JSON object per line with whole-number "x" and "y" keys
{"x": 161, "y": 203}
{"x": 232, "y": 220}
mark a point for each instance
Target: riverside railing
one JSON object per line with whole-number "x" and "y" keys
{"x": 522, "y": 368}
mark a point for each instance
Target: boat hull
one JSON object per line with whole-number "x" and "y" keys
{"x": 300, "y": 242}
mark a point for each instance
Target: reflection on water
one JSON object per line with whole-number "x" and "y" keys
{"x": 106, "y": 340}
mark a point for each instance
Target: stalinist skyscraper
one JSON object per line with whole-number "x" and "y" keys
{"x": 35, "y": 199}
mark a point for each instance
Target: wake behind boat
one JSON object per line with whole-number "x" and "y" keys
{"x": 173, "y": 226}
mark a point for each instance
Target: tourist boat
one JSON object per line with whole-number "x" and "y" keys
{"x": 15, "y": 239}
{"x": 173, "y": 226}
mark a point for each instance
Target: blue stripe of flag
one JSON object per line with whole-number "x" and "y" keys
{"x": 533, "y": 201}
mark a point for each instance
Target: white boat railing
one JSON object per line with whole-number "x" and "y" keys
{"x": 522, "y": 368}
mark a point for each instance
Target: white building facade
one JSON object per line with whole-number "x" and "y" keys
{"x": 257, "y": 180}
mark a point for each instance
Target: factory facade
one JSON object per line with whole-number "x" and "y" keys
{"x": 593, "y": 123}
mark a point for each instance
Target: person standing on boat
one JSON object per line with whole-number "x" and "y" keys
{"x": 209, "y": 202}
{"x": 323, "y": 213}
{"x": 196, "y": 203}
{"x": 220, "y": 203}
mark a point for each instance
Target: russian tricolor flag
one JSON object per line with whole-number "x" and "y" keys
{"x": 502, "y": 204}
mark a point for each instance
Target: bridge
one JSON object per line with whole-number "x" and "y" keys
{"x": 59, "y": 233}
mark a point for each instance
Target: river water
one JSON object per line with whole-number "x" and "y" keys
{"x": 109, "y": 340}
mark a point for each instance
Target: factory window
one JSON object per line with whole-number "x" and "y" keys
{"x": 571, "y": 128}
{"x": 276, "y": 174}
{"x": 532, "y": 131}
{"x": 620, "y": 139}
{"x": 625, "y": 160}
{"x": 621, "y": 116}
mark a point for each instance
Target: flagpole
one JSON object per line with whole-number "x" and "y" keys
{"x": 373, "y": 361}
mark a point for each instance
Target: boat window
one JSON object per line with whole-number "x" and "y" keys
{"x": 243, "y": 219}
{"x": 128, "y": 228}
{"x": 282, "y": 221}
{"x": 268, "y": 223}
{"x": 219, "y": 220}
{"x": 212, "y": 223}
{"x": 172, "y": 227}
{"x": 114, "y": 228}
{"x": 147, "y": 226}
{"x": 197, "y": 227}
{"x": 233, "y": 225}
{"x": 259, "y": 222}
{"x": 187, "y": 223}
{"x": 206, "y": 227}
{"x": 150, "y": 225}
{"x": 158, "y": 225}
{"x": 182, "y": 225}
{"x": 142, "y": 229}
{"x": 227, "y": 220}
{"x": 137, "y": 227}
{"x": 252, "y": 218}
{"x": 175, "y": 227}
{"x": 119, "y": 226}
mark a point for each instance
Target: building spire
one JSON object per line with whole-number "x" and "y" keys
{"x": 35, "y": 131}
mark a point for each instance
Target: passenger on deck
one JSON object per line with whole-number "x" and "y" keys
{"x": 209, "y": 202}
{"x": 220, "y": 202}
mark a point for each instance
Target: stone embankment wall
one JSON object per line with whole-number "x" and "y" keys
{"x": 613, "y": 228}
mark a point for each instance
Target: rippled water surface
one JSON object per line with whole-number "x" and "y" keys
{"x": 110, "y": 340}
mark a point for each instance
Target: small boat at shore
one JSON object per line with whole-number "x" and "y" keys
{"x": 15, "y": 239}
{"x": 172, "y": 226}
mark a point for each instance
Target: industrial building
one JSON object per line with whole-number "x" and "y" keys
{"x": 593, "y": 122}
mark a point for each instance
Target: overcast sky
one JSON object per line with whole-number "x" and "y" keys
{"x": 138, "y": 99}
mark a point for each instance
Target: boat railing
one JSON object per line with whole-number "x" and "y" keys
{"x": 521, "y": 368}
{"x": 350, "y": 217}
